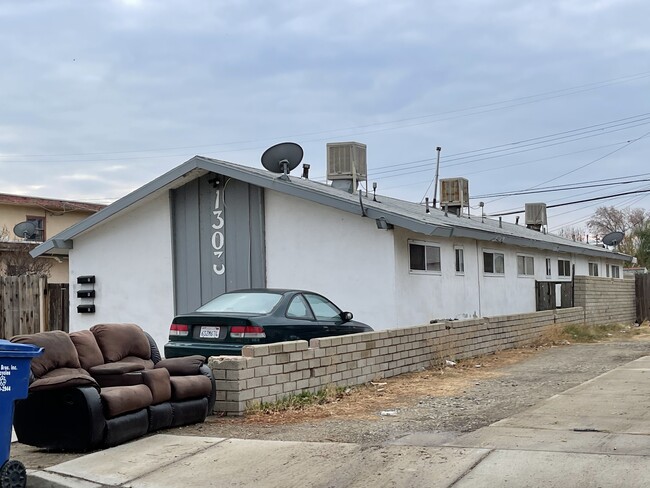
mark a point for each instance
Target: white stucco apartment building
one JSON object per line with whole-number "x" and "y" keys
{"x": 210, "y": 226}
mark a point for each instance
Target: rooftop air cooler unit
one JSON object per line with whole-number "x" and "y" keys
{"x": 346, "y": 164}
{"x": 535, "y": 215}
{"x": 454, "y": 194}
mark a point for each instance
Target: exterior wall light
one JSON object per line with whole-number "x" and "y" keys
{"x": 382, "y": 224}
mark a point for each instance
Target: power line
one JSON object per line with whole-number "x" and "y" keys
{"x": 576, "y": 202}
{"x": 500, "y": 105}
{"x": 508, "y": 148}
{"x": 494, "y": 168}
{"x": 579, "y": 195}
{"x": 556, "y": 189}
{"x": 584, "y": 165}
{"x": 625, "y": 203}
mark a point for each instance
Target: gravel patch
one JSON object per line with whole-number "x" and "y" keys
{"x": 515, "y": 388}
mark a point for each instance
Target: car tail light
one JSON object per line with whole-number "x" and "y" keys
{"x": 178, "y": 330}
{"x": 247, "y": 332}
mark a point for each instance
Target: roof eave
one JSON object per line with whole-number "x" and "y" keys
{"x": 107, "y": 212}
{"x": 532, "y": 243}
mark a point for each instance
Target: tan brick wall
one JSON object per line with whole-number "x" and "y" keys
{"x": 267, "y": 373}
{"x": 605, "y": 300}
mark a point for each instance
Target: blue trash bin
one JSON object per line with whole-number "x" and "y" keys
{"x": 14, "y": 382}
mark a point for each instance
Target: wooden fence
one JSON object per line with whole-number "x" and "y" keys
{"x": 642, "y": 285}
{"x": 546, "y": 294}
{"x": 28, "y": 304}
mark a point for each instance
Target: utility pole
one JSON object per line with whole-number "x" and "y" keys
{"x": 435, "y": 180}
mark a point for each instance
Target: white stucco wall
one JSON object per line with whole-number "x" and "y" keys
{"x": 131, "y": 259}
{"x": 338, "y": 254}
{"x": 511, "y": 293}
{"x": 366, "y": 270}
{"x": 424, "y": 296}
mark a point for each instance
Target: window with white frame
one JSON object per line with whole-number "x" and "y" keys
{"x": 548, "y": 267}
{"x": 563, "y": 267}
{"x": 616, "y": 271}
{"x": 593, "y": 269}
{"x": 460, "y": 260}
{"x": 493, "y": 262}
{"x": 525, "y": 265}
{"x": 424, "y": 257}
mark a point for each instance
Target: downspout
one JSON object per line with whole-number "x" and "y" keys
{"x": 478, "y": 279}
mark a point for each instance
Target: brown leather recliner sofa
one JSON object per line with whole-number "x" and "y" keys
{"x": 105, "y": 386}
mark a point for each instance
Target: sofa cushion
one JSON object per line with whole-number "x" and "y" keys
{"x": 145, "y": 363}
{"x": 87, "y": 348}
{"x": 122, "y": 399}
{"x": 119, "y": 367}
{"x": 188, "y": 365}
{"x": 184, "y": 387}
{"x": 125, "y": 379}
{"x": 58, "y": 351}
{"x": 118, "y": 341}
{"x": 158, "y": 382}
{"x": 63, "y": 378}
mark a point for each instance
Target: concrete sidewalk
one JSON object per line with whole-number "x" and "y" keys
{"x": 596, "y": 434}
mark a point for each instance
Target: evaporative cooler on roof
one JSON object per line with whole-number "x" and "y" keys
{"x": 535, "y": 215}
{"x": 454, "y": 194}
{"x": 346, "y": 165}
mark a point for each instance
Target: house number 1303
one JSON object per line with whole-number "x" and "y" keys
{"x": 218, "y": 241}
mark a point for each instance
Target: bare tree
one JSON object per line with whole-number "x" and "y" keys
{"x": 4, "y": 233}
{"x": 611, "y": 219}
{"x": 578, "y": 234}
{"x": 18, "y": 262}
{"x": 629, "y": 221}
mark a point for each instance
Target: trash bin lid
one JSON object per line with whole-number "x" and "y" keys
{"x": 16, "y": 350}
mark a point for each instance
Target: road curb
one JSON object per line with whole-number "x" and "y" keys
{"x": 46, "y": 479}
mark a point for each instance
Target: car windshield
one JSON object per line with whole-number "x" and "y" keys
{"x": 242, "y": 302}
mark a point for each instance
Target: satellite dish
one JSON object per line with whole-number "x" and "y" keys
{"x": 25, "y": 229}
{"x": 613, "y": 238}
{"x": 282, "y": 158}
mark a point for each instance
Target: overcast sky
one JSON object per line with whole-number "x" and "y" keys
{"x": 100, "y": 97}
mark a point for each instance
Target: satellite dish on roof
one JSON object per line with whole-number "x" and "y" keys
{"x": 613, "y": 238}
{"x": 282, "y": 158}
{"x": 25, "y": 229}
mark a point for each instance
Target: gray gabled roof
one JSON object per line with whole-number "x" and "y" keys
{"x": 399, "y": 213}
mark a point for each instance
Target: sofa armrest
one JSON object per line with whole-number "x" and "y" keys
{"x": 206, "y": 371}
{"x": 184, "y": 366}
{"x": 68, "y": 419}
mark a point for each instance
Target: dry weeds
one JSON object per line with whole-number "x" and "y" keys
{"x": 363, "y": 402}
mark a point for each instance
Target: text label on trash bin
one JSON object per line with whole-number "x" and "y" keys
{"x": 4, "y": 372}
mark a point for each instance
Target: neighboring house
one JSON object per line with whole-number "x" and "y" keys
{"x": 635, "y": 270}
{"x": 210, "y": 226}
{"x": 49, "y": 217}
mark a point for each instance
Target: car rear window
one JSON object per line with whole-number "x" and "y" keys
{"x": 242, "y": 303}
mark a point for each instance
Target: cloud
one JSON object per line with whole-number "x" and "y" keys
{"x": 94, "y": 96}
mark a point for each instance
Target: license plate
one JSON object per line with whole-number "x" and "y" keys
{"x": 209, "y": 332}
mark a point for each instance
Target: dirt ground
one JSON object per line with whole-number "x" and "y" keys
{"x": 447, "y": 401}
